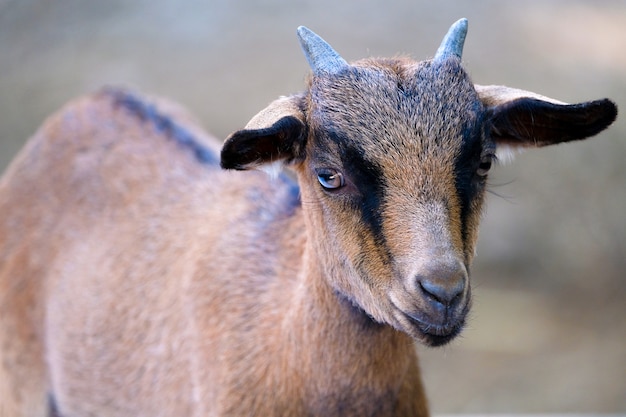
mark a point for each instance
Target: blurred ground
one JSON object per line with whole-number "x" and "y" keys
{"x": 548, "y": 331}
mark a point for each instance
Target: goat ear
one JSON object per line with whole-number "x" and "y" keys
{"x": 524, "y": 119}
{"x": 276, "y": 135}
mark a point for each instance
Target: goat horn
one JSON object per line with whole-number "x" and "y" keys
{"x": 321, "y": 56}
{"x": 452, "y": 44}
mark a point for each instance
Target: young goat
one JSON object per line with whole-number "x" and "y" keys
{"x": 137, "y": 278}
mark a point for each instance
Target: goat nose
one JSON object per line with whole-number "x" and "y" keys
{"x": 444, "y": 285}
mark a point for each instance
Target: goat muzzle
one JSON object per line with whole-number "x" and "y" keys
{"x": 436, "y": 302}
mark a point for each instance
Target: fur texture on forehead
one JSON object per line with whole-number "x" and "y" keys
{"x": 414, "y": 128}
{"x": 398, "y": 108}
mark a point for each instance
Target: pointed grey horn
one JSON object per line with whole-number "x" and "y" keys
{"x": 452, "y": 44}
{"x": 321, "y": 56}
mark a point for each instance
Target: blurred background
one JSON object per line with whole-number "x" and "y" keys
{"x": 548, "y": 328}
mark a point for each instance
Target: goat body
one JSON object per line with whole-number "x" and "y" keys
{"x": 138, "y": 278}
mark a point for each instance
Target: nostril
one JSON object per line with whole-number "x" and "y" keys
{"x": 444, "y": 292}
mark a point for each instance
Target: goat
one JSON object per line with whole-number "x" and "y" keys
{"x": 138, "y": 278}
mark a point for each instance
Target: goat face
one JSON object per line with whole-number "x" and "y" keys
{"x": 392, "y": 157}
{"x": 393, "y": 166}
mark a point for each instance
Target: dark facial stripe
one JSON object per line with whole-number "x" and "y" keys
{"x": 368, "y": 196}
{"x": 369, "y": 181}
{"x": 468, "y": 186}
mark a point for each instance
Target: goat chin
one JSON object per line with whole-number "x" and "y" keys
{"x": 429, "y": 331}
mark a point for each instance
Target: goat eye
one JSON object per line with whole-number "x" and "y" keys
{"x": 330, "y": 179}
{"x": 484, "y": 166}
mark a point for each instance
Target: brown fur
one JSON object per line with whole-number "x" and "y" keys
{"x": 102, "y": 311}
{"x": 139, "y": 279}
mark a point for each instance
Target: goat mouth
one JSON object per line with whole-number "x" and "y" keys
{"x": 432, "y": 334}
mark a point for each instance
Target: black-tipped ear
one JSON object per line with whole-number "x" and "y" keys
{"x": 277, "y": 134}
{"x": 531, "y": 122}
{"x": 524, "y": 119}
